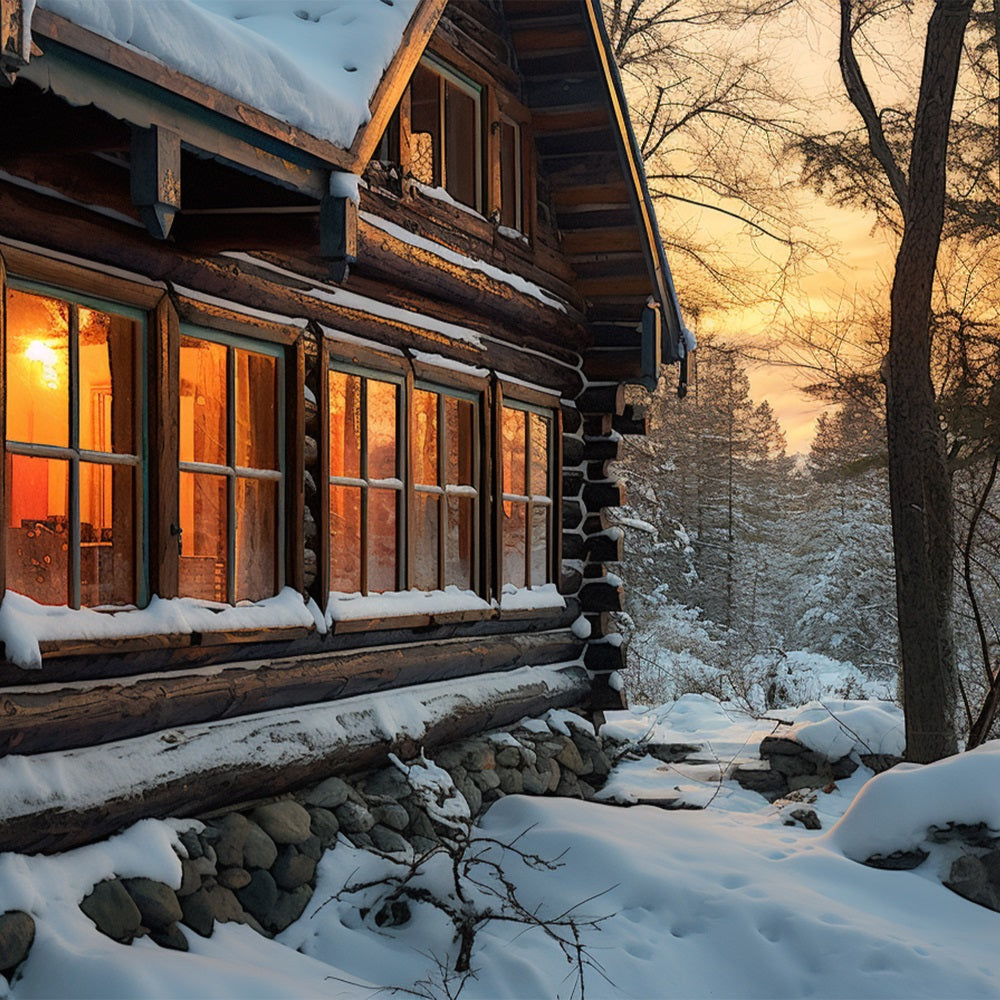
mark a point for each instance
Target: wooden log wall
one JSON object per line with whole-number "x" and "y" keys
{"x": 591, "y": 543}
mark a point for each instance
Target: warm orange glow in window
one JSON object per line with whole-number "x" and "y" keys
{"x": 71, "y": 508}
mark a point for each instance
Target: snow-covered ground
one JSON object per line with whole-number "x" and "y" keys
{"x": 722, "y": 901}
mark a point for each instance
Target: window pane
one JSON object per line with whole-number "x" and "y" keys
{"x": 459, "y": 546}
{"x": 540, "y": 427}
{"x": 205, "y": 534}
{"x": 425, "y": 438}
{"x": 37, "y": 370}
{"x": 513, "y": 543}
{"x": 510, "y": 175}
{"x": 382, "y": 398}
{"x": 257, "y": 418}
{"x": 203, "y": 401}
{"x": 426, "y": 532}
{"x": 107, "y": 534}
{"x": 107, "y": 382}
{"x": 540, "y": 544}
{"x": 345, "y": 538}
{"x": 425, "y": 126}
{"x": 382, "y": 540}
{"x": 345, "y": 425}
{"x": 461, "y": 113}
{"x": 460, "y": 428}
{"x": 256, "y": 538}
{"x": 38, "y": 533}
{"x": 513, "y": 451}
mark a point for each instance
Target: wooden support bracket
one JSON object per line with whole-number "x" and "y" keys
{"x": 156, "y": 178}
{"x": 338, "y": 234}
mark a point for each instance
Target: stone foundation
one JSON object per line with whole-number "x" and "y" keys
{"x": 256, "y": 864}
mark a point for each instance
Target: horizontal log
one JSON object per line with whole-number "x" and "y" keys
{"x": 605, "y": 698}
{"x": 594, "y": 571}
{"x": 572, "y": 482}
{"x": 598, "y": 425}
{"x": 572, "y": 451}
{"x": 105, "y": 663}
{"x": 596, "y": 471}
{"x": 572, "y": 419}
{"x": 621, "y": 364}
{"x": 601, "y": 596}
{"x": 597, "y": 495}
{"x": 596, "y": 522}
{"x": 570, "y": 581}
{"x": 604, "y": 656}
{"x": 38, "y": 722}
{"x": 599, "y": 399}
{"x": 604, "y": 548}
{"x": 601, "y": 623}
{"x": 572, "y": 545}
{"x": 601, "y": 449}
{"x": 605, "y": 240}
{"x": 572, "y": 513}
{"x": 632, "y": 420}
{"x": 98, "y": 790}
{"x": 583, "y": 195}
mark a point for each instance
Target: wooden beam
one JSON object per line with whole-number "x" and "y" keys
{"x": 541, "y": 41}
{"x": 607, "y": 398}
{"x": 156, "y": 178}
{"x": 170, "y": 770}
{"x": 592, "y": 241}
{"x": 612, "y": 194}
{"x": 91, "y": 714}
{"x": 616, "y": 286}
{"x": 395, "y": 79}
{"x": 550, "y": 122}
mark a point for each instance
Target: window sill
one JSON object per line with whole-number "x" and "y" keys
{"x": 347, "y": 625}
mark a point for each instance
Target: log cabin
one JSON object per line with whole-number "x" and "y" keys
{"x": 316, "y": 328}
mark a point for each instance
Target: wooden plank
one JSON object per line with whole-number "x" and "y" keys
{"x": 164, "y": 454}
{"x": 561, "y": 120}
{"x": 543, "y": 41}
{"x": 395, "y": 79}
{"x": 616, "y": 286}
{"x": 155, "y": 171}
{"x": 594, "y": 241}
{"x": 611, "y": 193}
{"x": 111, "y": 644}
{"x": 50, "y": 720}
{"x": 230, "y": 636}
{"x": 295, "y": 470}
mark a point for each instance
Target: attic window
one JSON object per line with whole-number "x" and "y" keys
{"x": 446, "y": 136}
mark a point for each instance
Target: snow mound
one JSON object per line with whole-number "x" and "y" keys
{"x": 894, "y": 811}
{"x": 837, "y": 728}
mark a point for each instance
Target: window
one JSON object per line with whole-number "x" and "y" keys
{"x": 527, "y": 521}
{"x": 446, "y": 497}
{"x": 231, "y": 468}
{"x": 74, "y": 445}
{"x": 366, "y": 489}
{"x": 445, "y": 132}
{"x": 511, "y": 195}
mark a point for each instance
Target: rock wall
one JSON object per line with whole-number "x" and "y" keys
{"x": 256, "y": 864}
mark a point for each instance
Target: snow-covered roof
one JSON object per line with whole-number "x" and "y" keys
{"x": 312, "y": 63}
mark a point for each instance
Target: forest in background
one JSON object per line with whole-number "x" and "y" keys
{"x": 741, "y": 559}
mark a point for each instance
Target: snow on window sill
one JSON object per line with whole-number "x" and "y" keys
{"x": 30, "y": 630}
{"x": 515, "y": 601}
{"x": 404, "y": 609}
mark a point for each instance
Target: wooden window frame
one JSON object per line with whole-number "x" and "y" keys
{"x": 479, "y": 93}
{"x": 234, "y": 473}
{"x": 442, "y": 489}
{"x": 399, "y": 378}
{"x": 72, "y": 453}
{"x": 549, "y": 408}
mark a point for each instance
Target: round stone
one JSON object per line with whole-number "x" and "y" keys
{"x": 285, "y": 822}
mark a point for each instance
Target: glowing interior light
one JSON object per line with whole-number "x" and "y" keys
{"x": 42, "y": 353}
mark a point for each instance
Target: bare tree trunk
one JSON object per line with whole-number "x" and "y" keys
{"x": 919, "y": 480}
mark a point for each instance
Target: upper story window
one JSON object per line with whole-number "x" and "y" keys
{"x": 446, "y": 132}
{"x": 445, "y": 425}
{"x": 74, "y": 444}
{"x": 527, "y": 522}
{"x": 366, "y": 488}
{"x": 511, "y": 193}
{"x": 231, "y": 468}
